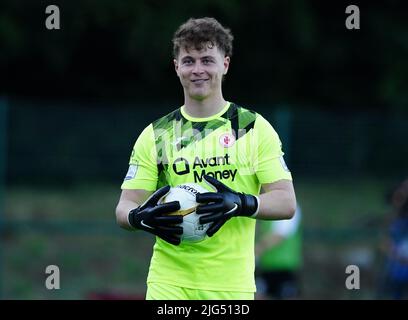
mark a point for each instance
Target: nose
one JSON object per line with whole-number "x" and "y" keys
{"x": 198, "y": 67}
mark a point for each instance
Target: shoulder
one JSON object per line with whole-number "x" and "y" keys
{"x": 162, "y": 124}
{"x": 241, "y": 118}
{"x": 245, "y": 114}
{"x": 167, "y": 120}
{"x": 239, "y": 111}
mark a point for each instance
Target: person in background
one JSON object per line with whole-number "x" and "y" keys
{"x": 279, "y": 258}
{"x": 395, "y": 246}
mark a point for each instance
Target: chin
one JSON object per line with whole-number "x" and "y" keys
{"x": 198, "y": 96}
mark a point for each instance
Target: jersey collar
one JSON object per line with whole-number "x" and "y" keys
{"x": 194, "y": 119}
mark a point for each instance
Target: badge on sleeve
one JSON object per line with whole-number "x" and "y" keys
{"x": 131, "y": 172}
{"x": 283, "y": 163}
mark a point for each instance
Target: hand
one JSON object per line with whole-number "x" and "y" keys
{"x": 224, "y": 204}
{"x": 153, "y": 217}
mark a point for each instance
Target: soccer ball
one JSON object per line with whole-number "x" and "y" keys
{"x": 193, "y": 230}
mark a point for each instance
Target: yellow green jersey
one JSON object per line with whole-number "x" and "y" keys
{"x": 236, "y": 146}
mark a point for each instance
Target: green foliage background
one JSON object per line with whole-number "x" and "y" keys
{"x": 296, "y": 52}
{"x": 55, "y": 226}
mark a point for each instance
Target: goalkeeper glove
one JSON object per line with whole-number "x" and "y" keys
{"x": 153, "y": 217}
{"x": 224, "y": 204}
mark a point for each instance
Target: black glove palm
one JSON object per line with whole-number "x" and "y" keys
{"x": 224, "y": 204}
{"x": 153, "y": 217}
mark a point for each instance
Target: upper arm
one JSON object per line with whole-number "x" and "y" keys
{"x": 281, "y": 185}
{"x": 282, "y": 194}
{"x": 136, "y": 196}
{"x": 141, "y": 180}
{"x": 284, "y": 185}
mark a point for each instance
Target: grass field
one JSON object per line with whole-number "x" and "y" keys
{"x": 75, "y": 229}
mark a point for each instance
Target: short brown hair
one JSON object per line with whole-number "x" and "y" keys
{"x": 196, "y": 33}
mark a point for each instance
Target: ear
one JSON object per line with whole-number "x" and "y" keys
{"x": 227, "y": 60}
{"x": 175, "y": 65}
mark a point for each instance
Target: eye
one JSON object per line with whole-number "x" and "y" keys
{"x": 187, "y": 61}
{"x": 207, "y": 61}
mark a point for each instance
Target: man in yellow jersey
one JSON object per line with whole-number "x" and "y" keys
{"x": 212, "y": 142}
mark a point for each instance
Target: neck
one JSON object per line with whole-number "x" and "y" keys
{"x": 204, "y": 108}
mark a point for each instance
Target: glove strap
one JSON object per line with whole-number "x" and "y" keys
{"x": 131, "y": 217}
{"x": 250, "y": 207}
{"x": 257, "y": 207}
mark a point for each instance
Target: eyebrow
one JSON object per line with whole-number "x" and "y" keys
{"x": 190, "y": 57}
{"x": 208, "y": 57}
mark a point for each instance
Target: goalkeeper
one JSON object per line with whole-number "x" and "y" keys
{"x": 220, "y": 145}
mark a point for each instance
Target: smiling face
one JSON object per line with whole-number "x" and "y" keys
{"x": 201, "y": 71}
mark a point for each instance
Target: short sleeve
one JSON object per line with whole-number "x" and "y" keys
{"x": 269, "y": 163}
{"x": 143, "y": 172}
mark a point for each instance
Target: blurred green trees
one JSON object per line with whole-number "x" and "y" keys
{"x": 296, "y": 52}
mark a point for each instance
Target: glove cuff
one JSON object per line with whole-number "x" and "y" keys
{"x": 257, "y": 207}
{"x": 250, "y": 207}
{"x": 131, "y": 218}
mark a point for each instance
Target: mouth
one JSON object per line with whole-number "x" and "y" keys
{"x": 199, "y": 81}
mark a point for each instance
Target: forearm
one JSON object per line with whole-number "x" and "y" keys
{"x": 129, "y": 200}
{"x": 276, "y": 205}
{"x": 122, "y": 213}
